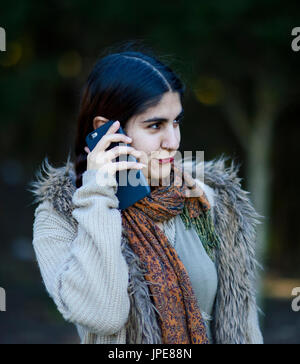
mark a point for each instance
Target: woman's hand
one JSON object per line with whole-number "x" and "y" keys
{"x": 101, "y": 159}
{"x": 193, "y": 188}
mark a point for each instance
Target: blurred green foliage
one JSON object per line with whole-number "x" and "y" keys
{"x": 232, "y": 41}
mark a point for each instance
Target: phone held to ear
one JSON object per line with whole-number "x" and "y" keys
{"x": 127, "y": 194}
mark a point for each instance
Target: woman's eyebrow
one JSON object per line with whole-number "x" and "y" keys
{"x": 163, "y": 120}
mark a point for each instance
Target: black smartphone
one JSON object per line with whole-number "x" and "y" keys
{"x": 127, "y": 192}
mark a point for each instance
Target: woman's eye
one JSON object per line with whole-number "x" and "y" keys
{"x": 154, "y": 125}
{"x": 178, "y": 122}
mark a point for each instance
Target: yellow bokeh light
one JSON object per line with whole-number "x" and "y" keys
{"x": 69, "y": 64}
{"x": 12, "y": 55}
{"x": 208, "y": 91}
{"x": 28, "y": 51}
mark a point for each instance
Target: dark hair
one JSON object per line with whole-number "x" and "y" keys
{"x": 121, "y": 84}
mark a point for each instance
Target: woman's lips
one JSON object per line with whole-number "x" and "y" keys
{"x": 168, "y": 160}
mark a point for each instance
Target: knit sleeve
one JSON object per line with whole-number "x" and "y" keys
{"x": 83, "y": 269}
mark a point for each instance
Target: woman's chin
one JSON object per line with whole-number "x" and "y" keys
{"x": 160, "y": 176}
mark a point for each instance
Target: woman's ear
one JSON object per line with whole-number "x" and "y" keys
{"x": 99, "y": 121}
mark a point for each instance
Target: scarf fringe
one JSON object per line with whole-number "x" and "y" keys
{"x": 204, "y": 227}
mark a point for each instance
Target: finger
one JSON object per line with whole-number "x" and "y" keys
{"x": 116, "y": 151}
{"x": 105, "y": 142}
{"x": 87, "y": 150}
{"x": 178, "y": 176}
{"x": 113, "y": 128}
{"x": 189, "y": 180}
{"x": 120, "y": 166}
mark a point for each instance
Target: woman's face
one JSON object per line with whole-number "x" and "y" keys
{"x": 157, "y": 139}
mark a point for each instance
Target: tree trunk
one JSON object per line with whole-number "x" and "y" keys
{"x": 255, "y": 134}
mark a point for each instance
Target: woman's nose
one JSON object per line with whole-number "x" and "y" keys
{"x": 170, "y": 139}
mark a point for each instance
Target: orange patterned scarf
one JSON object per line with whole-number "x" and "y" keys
{"x": 179, "y": 315}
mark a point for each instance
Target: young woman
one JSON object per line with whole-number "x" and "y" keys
{"x": 171, "y": 268}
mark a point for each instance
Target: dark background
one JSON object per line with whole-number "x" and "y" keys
{"x": 242, "y": 100}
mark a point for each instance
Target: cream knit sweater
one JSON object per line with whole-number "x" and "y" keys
{"x": 84, "y": 271}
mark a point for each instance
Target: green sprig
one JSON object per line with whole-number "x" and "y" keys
{"x": 204, "y": 227}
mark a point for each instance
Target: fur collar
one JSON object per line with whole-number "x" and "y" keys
{"x": 235, "y": 220}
